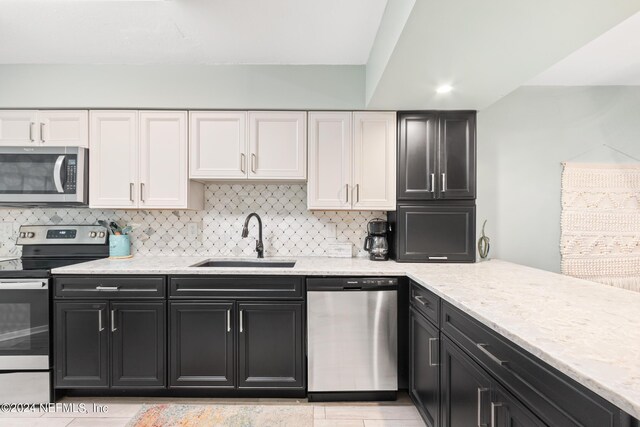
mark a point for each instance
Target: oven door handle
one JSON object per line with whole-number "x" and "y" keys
{"x": 57, "y": 174}
{"x": 23, "y": 285}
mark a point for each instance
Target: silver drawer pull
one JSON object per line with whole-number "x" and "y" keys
{"x": 483, "y": 348}
{"x": 438, "y": 257}
{"x": 107, "y": 288}
{"x": 420, "y": 299}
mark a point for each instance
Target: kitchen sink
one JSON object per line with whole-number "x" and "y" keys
{"x": 246, "y": 264}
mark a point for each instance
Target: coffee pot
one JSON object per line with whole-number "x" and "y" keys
{"x": 376, "y": 241}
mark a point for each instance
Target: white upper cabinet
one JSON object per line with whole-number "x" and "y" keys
{"x": 218, "y": 144}
{"x": 374, "y": 160}
{"x": 113, "y": 159}
{"x": 139, "y": 160}
{"x": 18, "y": 127}
{"x": 64, "y": 128}
{"x": 278, "y": 145}
{"x": 352, "y": 161}
{"x": 330, "y": 146}
{"x": 68, "y": 128}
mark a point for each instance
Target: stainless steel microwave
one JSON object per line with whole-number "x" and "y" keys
{"x": 43, "y": 176}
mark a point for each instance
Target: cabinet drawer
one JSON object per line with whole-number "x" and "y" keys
{"x": 426, "y": 302}
{"x": 110, "y": 287}
{"x": 558, "y": 400}
{"x": 237, "y": 287}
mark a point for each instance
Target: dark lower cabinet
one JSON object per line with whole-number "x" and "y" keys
{"x": 81, "y": 345}
{"x": 466, "y": 389}
{"x": 424, "y": 370}
{"x": 270, "y": 345}
{"x": 138, "y": 344}
{"x": 507, "y": 411}
{"x": 201, "y": 341}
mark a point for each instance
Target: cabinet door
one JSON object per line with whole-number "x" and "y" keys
{"x": 457, "y": 155}
{"x": 18, "y": 128}
{"x": 330, "y": 162}
{"x": 465, "y": 390}
{"x": 218, "y": 145}
{"x": 201, "y": 344}
{"x": 271, "y": 344}
{"x": 436, "y": 232}
{"x": 417, "y": 149}
{"x": 64, "y": 128}
{"x": 507, "y": 411}
{"x": 81, "y": 345}
{"x": 374, "y": 160}
{"x": 138, "y": 344}
{"x": 424, "y": 371}
{"x": 113, "y": 156}
{"x": 163, "y": 159}
{"x": 278, "y": 145}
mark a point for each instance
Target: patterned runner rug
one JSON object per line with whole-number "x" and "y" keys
{"x": 223, "y": 415}
{"x": 600, "y": 223}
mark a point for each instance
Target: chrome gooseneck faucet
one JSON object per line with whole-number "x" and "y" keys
{"x": 245, "y": 233}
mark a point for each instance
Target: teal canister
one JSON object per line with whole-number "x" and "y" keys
{"x": 119, "y": 246}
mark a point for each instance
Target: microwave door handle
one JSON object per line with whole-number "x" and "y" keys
{"x": 57, "y": 174}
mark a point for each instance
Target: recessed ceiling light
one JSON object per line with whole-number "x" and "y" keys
{"x": 444, "y": 89}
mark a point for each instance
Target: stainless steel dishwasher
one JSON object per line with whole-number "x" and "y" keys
{"x": 352, "y": 338}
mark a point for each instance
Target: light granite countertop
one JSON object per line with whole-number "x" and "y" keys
{"x": 588, "y": 331}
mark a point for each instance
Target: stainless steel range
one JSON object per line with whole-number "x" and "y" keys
{"x": 25, "y": 300}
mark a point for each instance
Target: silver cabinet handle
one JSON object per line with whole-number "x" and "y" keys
{"x": 229, "y": 320}
{"x": 439, "y": 257}
{"x": 100, "y": 328}
{"x": 131, "y": 191}
{"x": 243, "y": 160}
{"x": 431, "y": 341}
{"x": 494, "y": 405}
{"x": 107, "y": 288}
{"x": 357, "y": 192}
{"x": 113, "y": 321}
{"x": 42, "y": 132}
{"x": 444, "y": 182}
{"x": 347, "y": 192}
{"x": 142, "y": 191}
{"x": 483, "y": 348}
{"x": 480, "y": 391}
{"x": 31, "y": 124}
{"x": 433, "y": 183}
{"x": 420, "y": 299}
{"x": 241, "y": 325}
{"x": 254, "y": 162}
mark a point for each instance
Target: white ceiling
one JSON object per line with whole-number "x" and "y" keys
{"x": 611, "y": 59}
{"x": 188, "y": 31}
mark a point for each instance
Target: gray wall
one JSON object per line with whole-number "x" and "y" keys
{"x": 522, "y": 140}
{"x": 183, "y": 86}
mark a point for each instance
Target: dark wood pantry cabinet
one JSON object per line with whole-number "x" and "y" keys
{"x": 436, "y": 155}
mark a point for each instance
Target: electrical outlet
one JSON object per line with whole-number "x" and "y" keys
{"x": 6, "y": 229}
{"x": 193, "y": 231}
{"x": 331, "y": 230}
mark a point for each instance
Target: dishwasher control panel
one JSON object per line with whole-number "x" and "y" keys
{"x": 351, "y": 283}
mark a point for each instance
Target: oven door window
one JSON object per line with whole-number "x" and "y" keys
{"x": 34, "y": 173}
{"x": 24, "y": 322}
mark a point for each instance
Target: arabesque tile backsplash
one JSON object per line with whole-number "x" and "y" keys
{"x": 289, "y": 228}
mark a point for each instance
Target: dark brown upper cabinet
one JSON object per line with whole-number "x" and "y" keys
{"x": 437, "y": 155}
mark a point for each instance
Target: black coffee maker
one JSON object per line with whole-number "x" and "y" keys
{"x": 376, "y": 242}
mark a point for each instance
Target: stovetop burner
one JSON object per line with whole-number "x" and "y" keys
{"x": 45, "y": 247}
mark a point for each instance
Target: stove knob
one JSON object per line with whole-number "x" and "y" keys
{"x": 92, "y": 234}
{"x": 30, "y": 234}
{"x": 101, "y": 234}
{"x": 23, "y": 234}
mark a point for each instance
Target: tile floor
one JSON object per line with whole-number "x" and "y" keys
{"x": 400, "y": 413}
